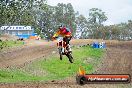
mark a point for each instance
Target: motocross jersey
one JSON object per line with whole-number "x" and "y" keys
{"x": 64, "y": 32}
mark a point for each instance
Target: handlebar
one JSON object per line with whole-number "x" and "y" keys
{"x": 54, "y": 38}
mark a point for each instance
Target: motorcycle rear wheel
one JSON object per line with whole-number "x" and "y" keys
{"x": 70, "y": 57}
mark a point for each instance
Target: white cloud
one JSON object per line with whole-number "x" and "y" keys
{"x": 116, "y": 10}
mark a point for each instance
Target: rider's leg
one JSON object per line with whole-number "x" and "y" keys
{"x": 67, "y": 42}
{"x": 69, "y": 47}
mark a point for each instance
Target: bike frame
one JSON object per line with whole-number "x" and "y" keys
{"x": 61, "y": 43}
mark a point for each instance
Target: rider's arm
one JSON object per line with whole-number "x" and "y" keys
{"x": 56, "y": 34}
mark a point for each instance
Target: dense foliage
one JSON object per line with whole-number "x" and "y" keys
{"x": 45, "y": 19}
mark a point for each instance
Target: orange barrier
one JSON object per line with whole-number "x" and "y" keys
{"x": 34, "y": 37}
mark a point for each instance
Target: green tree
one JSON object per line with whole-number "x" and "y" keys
{"x": 96, "y": 19}
{"x": 82, "y": 24}
{"x": 65, "y": 14}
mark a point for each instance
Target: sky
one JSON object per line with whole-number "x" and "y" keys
{"x": 117, "y": 11}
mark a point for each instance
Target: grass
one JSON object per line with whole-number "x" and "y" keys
{"x": 9, "y": 44}
{"x": 14, "y": 43}
{"x": 15, "y": 75}
{"x": 54, "y": 68}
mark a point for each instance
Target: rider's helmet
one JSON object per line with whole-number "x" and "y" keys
{"x": 61, "y": 26}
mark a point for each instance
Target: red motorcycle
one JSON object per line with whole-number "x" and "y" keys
{"x": 64, "y": 49}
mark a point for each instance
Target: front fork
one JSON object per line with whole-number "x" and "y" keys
{"x": 61, "y": 50}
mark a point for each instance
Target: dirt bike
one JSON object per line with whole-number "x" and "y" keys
{"x": 64, "y": 49}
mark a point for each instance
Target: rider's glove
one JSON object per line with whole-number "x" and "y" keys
{"x": 53, "y": 38}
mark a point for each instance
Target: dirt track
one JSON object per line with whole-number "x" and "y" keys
{"x": 21, "y": 56}
{"x": 117, "y": 60}
{"x": 30, "y": 51}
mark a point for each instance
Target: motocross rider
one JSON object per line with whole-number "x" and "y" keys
{"x": 65, "y": 33}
